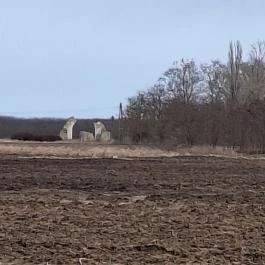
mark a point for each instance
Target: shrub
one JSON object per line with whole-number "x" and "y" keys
{"x": 33, "y": 137}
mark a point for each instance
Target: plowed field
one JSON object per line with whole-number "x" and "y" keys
{"x": 182, "y": 210}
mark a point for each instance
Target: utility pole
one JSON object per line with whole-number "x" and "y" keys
{"x": 120, "y": 123}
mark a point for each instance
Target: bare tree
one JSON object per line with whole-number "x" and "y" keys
{"x": 182, "y": 81}
{"x": 234, "y": 72}
{"x": 214, "y": 76}
{"x": 136, "y": 107}
{"x": 156, "y": 97}
{"x": 255, "y": 72}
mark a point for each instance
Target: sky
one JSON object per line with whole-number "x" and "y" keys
{"x": 61, "y": 58}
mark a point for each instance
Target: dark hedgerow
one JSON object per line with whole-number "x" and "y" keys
{"x": 33, "y": 137}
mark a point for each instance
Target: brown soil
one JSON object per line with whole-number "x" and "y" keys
{"x": 183, "y": 210}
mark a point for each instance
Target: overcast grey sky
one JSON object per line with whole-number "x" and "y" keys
{"x": 81, "y": 57}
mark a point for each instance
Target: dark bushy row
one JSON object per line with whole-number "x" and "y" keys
{"x": 51, "y": 126}
{"x": 33, "y": 137}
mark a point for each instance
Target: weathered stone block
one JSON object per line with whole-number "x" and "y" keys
{"x": 86, "y": 136}
{"x": 67, "y": 131}
{"x": 105, "y": 137}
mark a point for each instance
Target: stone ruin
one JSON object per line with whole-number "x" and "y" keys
{"x": 101, "y": 134}
{"x": 67, "y": 131}
{"x": 86, "y": 136}
{"x": 105, "y": 137}
{"x": 99, "y": 129}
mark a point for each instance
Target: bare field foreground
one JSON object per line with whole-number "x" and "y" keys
{"x": 150, "y": 210}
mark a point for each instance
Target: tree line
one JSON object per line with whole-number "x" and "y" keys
{"x": 11, "y": 127}
{"x": 212, "y": 103}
